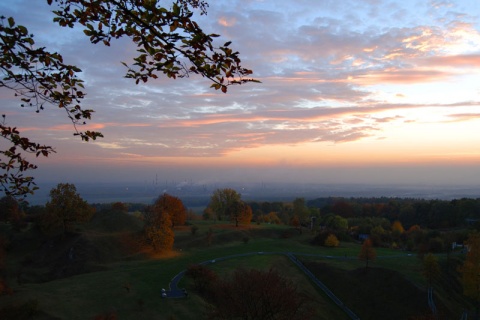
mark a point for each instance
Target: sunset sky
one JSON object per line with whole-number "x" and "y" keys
{"x": 351, "y": 91}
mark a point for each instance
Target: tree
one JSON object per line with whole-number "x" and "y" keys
{"x": 431, "y": 269}
{"x": 331, "y": 241}
{"x": 335, "y": 222}
{"x": 10, "y": 210}
{"x": 471, "y": 270}
{"x": 158, "y": 231}
{"x": 397, "y": 227}
{"x": 225, "y": 202}
{"x": 254, "y": 294}
{"x": 240, "y": 212}
{"x": 66, "y": 207}
{"x": 174, "y": 207}
{"x": 295, "y": 222}
{"x": 300, "y": 209}
{"x": 367, "y": 252}
{"x": 273, "y": 218}
{"x": 169, "y": 41}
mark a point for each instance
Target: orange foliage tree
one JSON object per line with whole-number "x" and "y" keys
{"x": 397, "y": 227}
{"x": 243, "y": 214}
{"x": 174, "y": 207}
{"x": 295, "y": 222}
{"x": 367, "y": 252}
{"x": 158, "y": 231}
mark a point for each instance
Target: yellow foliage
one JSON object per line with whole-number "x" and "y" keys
{"x": 398, "y": 227}
{"x": 331, "y": 241}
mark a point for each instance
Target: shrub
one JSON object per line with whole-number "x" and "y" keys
{"x": 203, "y": 278}
{"x": 331, "y": 241}
{"x": 254, "y": 294}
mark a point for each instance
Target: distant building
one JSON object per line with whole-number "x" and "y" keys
{"x": 363, "y": 236}
{"x": 471, "y": 221}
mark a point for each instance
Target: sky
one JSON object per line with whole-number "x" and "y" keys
{"x": 352, "y": 91}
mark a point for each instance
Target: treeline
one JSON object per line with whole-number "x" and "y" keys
{"x": 431, "y": 214}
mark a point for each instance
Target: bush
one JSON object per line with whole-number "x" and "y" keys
{"x": 320, "y": 238}
{"x": 203, "y": 278}
{"x": 331, "y": 241}
{"x": 254, "y": 294}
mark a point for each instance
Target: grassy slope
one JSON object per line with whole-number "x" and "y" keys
{"x": 85, "y": 295}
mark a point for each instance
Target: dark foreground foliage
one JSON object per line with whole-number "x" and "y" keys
{"x": 251, "y": 294}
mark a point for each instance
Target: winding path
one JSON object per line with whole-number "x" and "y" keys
{"x": 175, "y": 292}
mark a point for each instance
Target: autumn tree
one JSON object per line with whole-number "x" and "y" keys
{"x": 331, "y": 241}
{"x": 158, "y": 232}
{"x": 397, "y": 227}
{"x": 295, "y": 222}
{"x": 65, "y": 208}
{"x": 174, "y": 207}
{"x": 168, "y": 42}
{"x": 255, "y": 294}
{"x": 240, "y": 212}
{"x": 431, "y": 268}
{"x": 471, "y": 270}
{"x": 273, "y": 218}
{"x": 397, "y": 230}
{"x": 367, "y": 252}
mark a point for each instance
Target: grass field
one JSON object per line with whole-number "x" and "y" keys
{"x": 130, "y": 285}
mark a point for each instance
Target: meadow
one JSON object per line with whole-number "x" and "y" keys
{"x": 110, "y": 275}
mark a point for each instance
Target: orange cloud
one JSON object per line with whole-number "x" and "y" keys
{"x": 226, "y": 22}
{"x": 463, "y": 61}
{"x": 397, "y": 76}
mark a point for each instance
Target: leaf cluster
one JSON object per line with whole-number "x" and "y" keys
{"x": 168, "y": 40}
{"x": 38, "y": 78}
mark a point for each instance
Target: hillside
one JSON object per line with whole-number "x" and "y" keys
{"x": 108, "y": 273}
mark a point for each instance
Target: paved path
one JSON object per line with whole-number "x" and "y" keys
{"x": 176, "y": 292}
